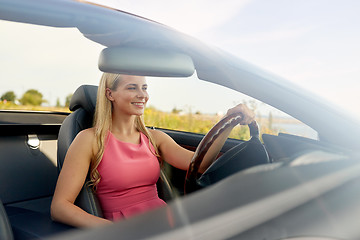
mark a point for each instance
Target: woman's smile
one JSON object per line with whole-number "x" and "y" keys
{"x": 139, "y": 104}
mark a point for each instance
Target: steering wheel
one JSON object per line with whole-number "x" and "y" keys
{"x": 244, "y": 155}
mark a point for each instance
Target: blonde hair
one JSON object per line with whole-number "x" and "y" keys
{"x": 103, "y": 120}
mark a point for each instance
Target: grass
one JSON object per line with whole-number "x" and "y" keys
{"x": 196, "y": 123}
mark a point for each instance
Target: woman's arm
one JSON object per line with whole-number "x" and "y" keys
{"x": 180, "y": 157}
{"x": 71, "y": 179}
{"x": 171, "y": 152}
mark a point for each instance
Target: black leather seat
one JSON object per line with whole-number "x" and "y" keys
{"x": 83, "y": 104}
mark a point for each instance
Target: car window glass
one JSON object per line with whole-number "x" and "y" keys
{"x": 52, "y": 63}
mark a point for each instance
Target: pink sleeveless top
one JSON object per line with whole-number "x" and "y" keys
{"x": 129, "y": 173}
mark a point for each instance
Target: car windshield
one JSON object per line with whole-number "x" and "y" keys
{"x": 42, "y": 70}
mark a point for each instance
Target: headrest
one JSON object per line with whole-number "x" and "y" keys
{"x": 84, "y": 97}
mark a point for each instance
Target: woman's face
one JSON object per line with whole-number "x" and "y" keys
{"x": 130, "y": 96}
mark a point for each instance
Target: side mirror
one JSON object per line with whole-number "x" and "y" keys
{"x": 145, "y": 62}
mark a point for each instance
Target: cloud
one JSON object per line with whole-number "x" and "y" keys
{"x": 280, "y": 34}
{"x": 191, "y": 17}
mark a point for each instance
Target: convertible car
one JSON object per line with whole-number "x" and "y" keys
{"x": 274, "y": 185}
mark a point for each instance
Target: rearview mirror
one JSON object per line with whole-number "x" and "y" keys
{"x": 145, "y": 62}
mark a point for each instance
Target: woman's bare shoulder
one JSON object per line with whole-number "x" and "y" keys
{"x": 84, "y": 139}
{"x": 89, "y": 132}
{"x": 87, "y": 135}
{"x": 159, "y": 136}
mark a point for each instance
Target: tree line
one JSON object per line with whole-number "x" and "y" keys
{"x": 30, "y": 97}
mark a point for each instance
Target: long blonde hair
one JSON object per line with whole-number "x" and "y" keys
{"x": 103, "y": 120}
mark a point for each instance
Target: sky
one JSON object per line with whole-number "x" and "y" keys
{"x": 313, "y": 43}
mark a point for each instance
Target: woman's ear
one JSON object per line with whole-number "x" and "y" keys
{"x": 108, "y": 94}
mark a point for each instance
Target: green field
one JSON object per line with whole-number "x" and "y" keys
{"x": 197, "y": 123}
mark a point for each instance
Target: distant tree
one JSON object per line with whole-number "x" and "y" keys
{"x": 68, "y": 99}
{"x": 270, "y": 121}
{"x": 32, "y": 97}
{"x": 175, "y": 110}
{"x": 58, "y": 102}
{"x": 8, "y": 96}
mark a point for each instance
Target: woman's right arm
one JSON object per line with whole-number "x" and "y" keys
{"x": 71, "y": 179}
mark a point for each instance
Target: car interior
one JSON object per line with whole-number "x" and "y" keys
{"x": 32, "y": 158}
{"x": 34, "y": 145}
{"x": 29, "y": 172}
{"x": 29, "y": 169}
{"x": 33, "y": 154}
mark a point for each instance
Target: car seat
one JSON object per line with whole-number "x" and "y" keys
{"x": 83, "y": 104}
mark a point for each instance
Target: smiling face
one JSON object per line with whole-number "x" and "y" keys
{"x": 130, "y": 95}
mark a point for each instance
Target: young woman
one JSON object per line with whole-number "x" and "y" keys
{"x": 121, "y": 155}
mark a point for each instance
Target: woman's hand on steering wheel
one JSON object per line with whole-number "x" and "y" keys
{"x": 239, "y": 114}
{"x": 247, "y": 116}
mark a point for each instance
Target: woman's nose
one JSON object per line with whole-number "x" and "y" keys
{"x": 141, "y": 94}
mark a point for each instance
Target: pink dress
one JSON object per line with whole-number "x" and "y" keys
{"x": 129, "y": 173}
